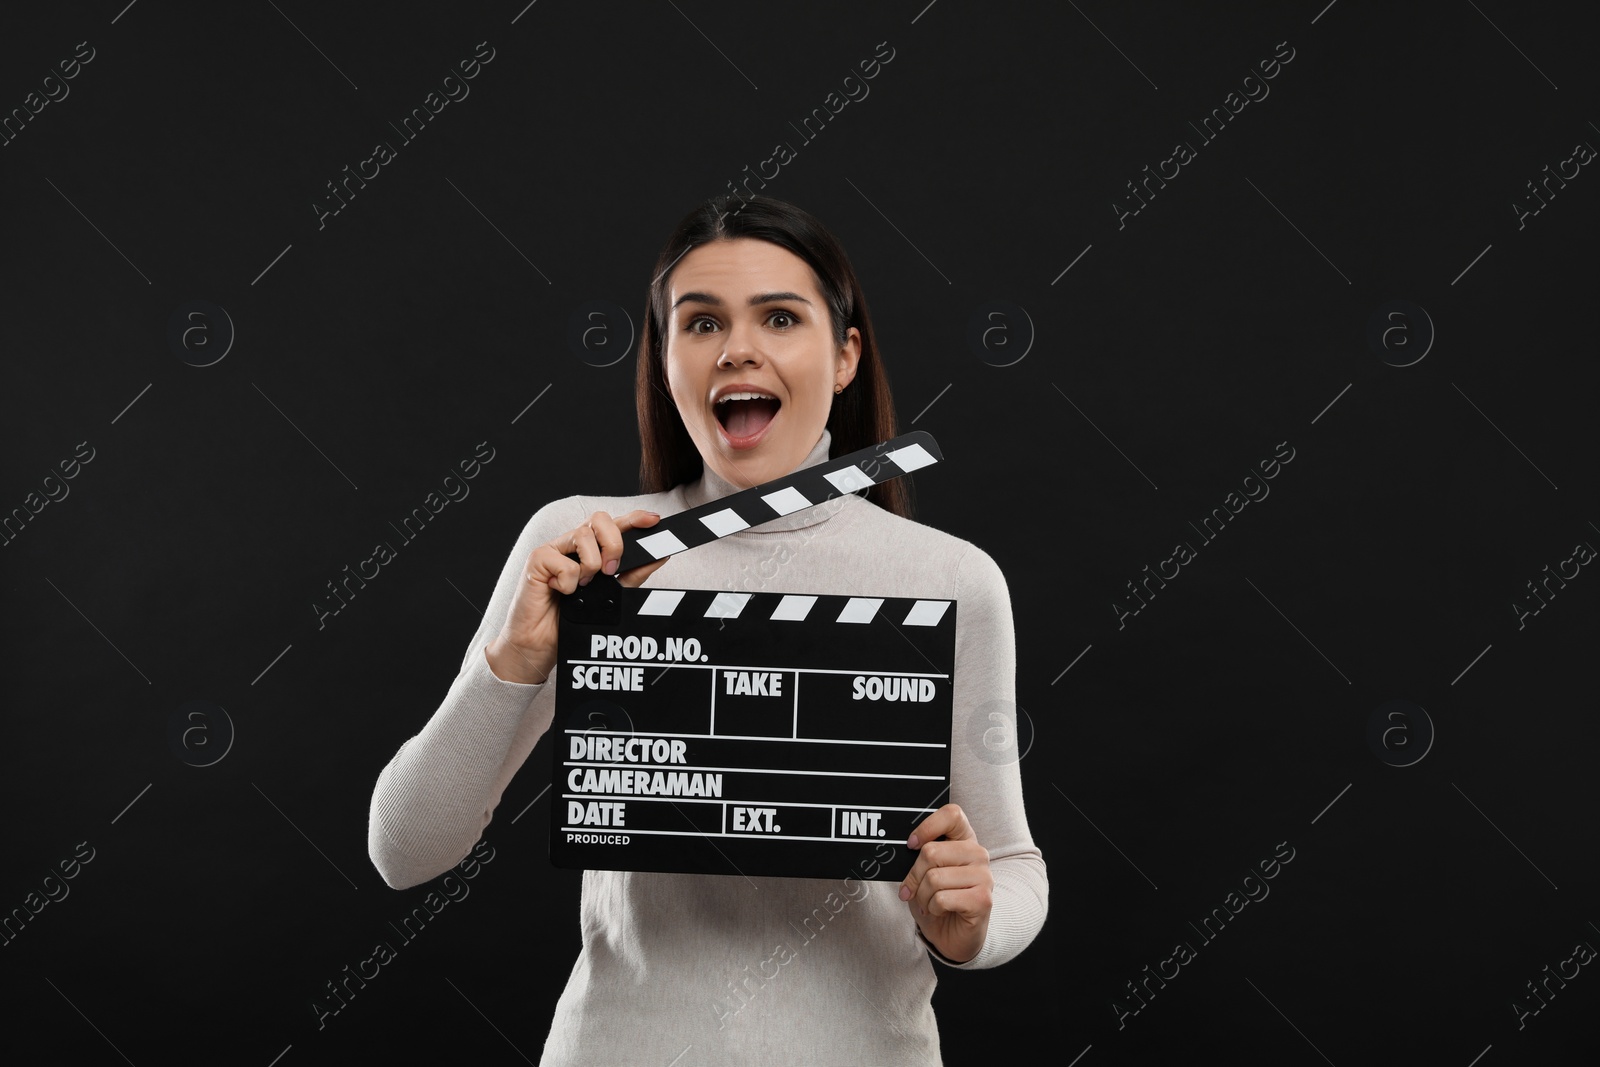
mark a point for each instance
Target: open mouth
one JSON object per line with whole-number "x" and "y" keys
{"x": 745, "y": 416}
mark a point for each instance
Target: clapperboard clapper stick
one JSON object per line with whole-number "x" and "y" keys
{"x": 710, "y": 731}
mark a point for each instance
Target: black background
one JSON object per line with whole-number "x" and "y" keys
{"x": 1177, "y": 351}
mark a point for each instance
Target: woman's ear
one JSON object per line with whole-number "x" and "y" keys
{"x": 849, "y": 357}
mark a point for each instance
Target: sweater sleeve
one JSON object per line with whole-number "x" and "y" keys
{"x": 435, "y": 797}
{"x": 985, "y": 770}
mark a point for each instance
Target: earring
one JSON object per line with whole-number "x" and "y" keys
{"x": 837, "y": 389}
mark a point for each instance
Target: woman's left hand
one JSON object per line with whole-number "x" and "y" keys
{"x": 950, "y": 888}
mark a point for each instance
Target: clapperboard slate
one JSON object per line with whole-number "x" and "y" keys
{"x": 716, "y": 732}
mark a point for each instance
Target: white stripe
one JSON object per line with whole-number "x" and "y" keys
{"x": 716, "y": 800}
{"x": 661, "y": 602}
{"x": 771, "y": 669}
{"x": 765, "y": 737}
{"x": 758, "y": 770}
{"x": 926, "y": 612}
{"x": 911, "y": 457}
{"x": 786, "y": 501}
{"x": 696, "y": 833}
{"x": 727, "y": 605}
{"x": 724, "y": 522}
{"x": 848, "y": 479}
{"x": 860, "y": 609}
{"x": 661, "y": 544}
{"x": 793, "y": 608}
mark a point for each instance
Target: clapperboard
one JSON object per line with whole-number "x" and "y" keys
{"x": 716, "y": 732}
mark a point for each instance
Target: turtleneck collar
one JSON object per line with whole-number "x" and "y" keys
{"x": 712, "y": 486}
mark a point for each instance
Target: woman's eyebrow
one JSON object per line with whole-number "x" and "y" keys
{"x": 759, "y": 298}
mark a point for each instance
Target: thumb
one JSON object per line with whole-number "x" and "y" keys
{"x": 637, "y": 518}
{"x": 634, "y": 520}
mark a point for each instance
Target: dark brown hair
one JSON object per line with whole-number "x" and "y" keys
{"x": 862, "y": 416}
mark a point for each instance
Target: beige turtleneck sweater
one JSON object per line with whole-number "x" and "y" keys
{"x": 708, "y": 969}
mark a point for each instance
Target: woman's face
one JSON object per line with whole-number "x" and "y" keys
{"x": 747, "y": 317}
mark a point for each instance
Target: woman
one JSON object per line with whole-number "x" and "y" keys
{"x": 762, "y": 306}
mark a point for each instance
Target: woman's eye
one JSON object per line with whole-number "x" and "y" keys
{"x": 788, "y": 320}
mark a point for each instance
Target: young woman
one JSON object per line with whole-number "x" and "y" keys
{"x": 759, "y": 305}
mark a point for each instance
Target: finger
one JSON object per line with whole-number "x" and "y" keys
{"x": 959, "y": 888}
{"x": 637, "y": 517}
{"x": 609, "y": 537}
{"x": 554, "y": 568}
{"x": 912, "y": 882}
{"x": 948, "y": 882}
{"x": 949, "y": 821}
{"x": 608, "y": 530}
{"x": 957, "y": 876}
{"x": 963, "y": 853}
{"x": 636, "y": 575}
{"x": 937, "y": 856}
{"x": 974, "y": 901}
{"x": 587, "y": 546}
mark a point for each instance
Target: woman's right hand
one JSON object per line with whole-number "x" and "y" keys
{"x": 525, "y": 649}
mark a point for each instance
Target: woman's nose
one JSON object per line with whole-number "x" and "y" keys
{"x": 740, "y": 350}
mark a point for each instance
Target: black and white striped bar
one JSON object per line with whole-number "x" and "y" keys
{"x": 781, "y": 496}
{"x": 708, "y": 731}
{"x": 790, "y": 607}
